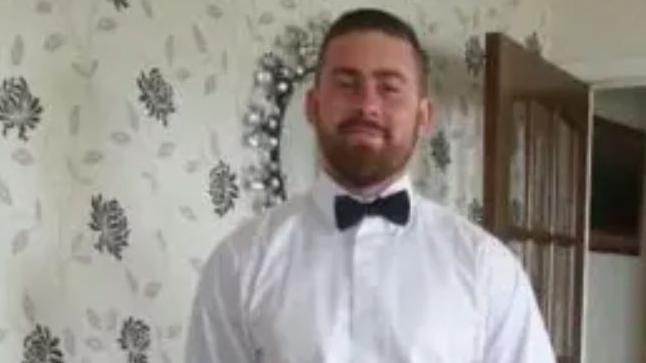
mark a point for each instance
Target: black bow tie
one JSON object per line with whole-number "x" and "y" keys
{"x": 348, "y": 211}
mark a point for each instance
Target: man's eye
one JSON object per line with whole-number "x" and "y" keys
{"x": 346, "y": 83}
{"x": 390, "y": 88}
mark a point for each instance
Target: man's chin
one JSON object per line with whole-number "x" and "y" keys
{"x": 364, "y": 149}
{"x": 365, "y": 141}
{"x": 362, "y": 166}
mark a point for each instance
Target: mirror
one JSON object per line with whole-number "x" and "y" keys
{"x": 298, "y": 152}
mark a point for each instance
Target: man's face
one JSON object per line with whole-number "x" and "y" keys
{"x": 367, "y": 109}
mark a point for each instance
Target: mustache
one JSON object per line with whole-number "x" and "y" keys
{"x": 361, "y": 122}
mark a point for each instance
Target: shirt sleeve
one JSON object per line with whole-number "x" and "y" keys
{"x": 515, "y": 331}
{"x": 218, "y": 331}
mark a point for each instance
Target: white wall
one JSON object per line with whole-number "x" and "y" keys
{"x": 599, "y": 40}
{"x": 626, "y": 106}
{"x": 614, "y": 314}
{"x": 616, "y": 294}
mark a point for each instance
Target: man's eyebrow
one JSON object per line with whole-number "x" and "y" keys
{"x": 344, "y": 71}
{"x": 390, "y": 73}
{"x": 385, "y": 73}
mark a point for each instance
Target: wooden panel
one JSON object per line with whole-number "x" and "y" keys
{"x": 536, "y": 138}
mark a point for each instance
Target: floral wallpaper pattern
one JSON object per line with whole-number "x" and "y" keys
{"x": 474, "y": 55}
{"x": 223, "y": 188}
{"x": 120, "y": 4}
{"x": 109, "y": 219}
{"x": 135, "y": 339}
{"x": 41, "y": 347}
{"x": 125, "y": 157}
{"x": 18, "y": 107}
{"x": 156, "y": 95}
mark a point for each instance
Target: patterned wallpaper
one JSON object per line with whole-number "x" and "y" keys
{"x": 122, "y": 161}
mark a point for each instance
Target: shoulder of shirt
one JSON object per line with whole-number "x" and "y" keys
{"x": 250, "y": 239}
{"x": 460, "y": 231}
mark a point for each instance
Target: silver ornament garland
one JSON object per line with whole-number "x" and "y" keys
{"x": 275, "y": 79}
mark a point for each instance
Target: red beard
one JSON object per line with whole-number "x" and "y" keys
{"x": 363, "y": 164}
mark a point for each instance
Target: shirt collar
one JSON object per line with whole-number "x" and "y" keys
{"x": 325, "y": 189}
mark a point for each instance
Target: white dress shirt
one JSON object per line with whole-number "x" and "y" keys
{"x": 291, "y": 288}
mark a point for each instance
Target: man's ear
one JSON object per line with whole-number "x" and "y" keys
{"x": 311, "y": 105}
{"x": 425, "y": 118}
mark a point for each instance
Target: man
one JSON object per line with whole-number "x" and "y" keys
{"x": 362, "y": 269}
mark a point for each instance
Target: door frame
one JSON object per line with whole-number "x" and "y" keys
{"x": 495, "y": 218}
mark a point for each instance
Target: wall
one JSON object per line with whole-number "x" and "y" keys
{"x": 615, "y": 313}
{"x": 122, "y": 162}
{"x": 624, "y": 105}
{"x": 600, "y": 41}
{"x": 604, "y": 46}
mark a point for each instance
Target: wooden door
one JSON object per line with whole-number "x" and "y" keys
{"x": 536, "y": 182}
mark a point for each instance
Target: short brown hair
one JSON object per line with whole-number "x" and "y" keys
{"x": 376, "y": 20}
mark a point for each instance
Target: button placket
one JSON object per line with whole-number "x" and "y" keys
{"x": 365, "y": 264}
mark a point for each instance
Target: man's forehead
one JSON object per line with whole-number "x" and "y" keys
{"x": 368, "y": 49}
{"x": 375, "y": 39}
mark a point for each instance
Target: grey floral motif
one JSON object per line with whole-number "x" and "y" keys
{"x": 266, "y": 18}
{"x": 474, "y": 55}
{"x": 441, "y": 150}
{"x": 132, "y": 281}
{"x": 29, "y": 309}
{"x": 5, "y": 193}
{"x": 533, "y": 43}
{"x": 106, "y": 24}
{"x": 41, "y": 347}
{"x": 200, "y": 39}
{"x": 301, "y": 44}
{"x": 109, "y": 219}
{"x": 476, "y": 211}
{"x": 43, "y": 7}
{"x": 214, "y": 11}
{"x": 54, "y": 41}
{"x": 20, "y": 241}
{"x": 223, "y": 188}
{"x": 148, "y": 9}
{"x": 23, "y": 157}
{"x": 18, "y": 107}
{"x": 156, "y": 95}
{"x": 86, "y": 69}
{"x": 135, "y": 339}
{"x": 120, "y": 4}
{"x": 288, "y": 4}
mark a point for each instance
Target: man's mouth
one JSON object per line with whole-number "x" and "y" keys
{"x": 362, "y": 128}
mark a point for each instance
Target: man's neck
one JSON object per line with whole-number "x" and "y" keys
{"x": 365, "y": 192}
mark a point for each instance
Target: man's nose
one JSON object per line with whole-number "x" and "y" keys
{"x": 369, "y": 102}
